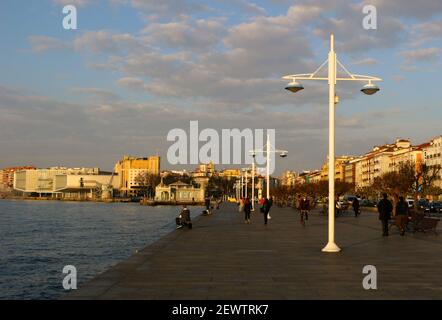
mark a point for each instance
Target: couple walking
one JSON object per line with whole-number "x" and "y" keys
{"x": 385, "y": 209}
{"x": 246, "y": 206}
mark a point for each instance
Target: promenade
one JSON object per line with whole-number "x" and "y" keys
{"x": 224, "y": 258}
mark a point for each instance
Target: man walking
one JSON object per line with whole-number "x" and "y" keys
{"x": 356, "y": 206}
{"x": 265, "y": 209}
{"x": 385, "y": 208}
{"x": 247, "y": 210}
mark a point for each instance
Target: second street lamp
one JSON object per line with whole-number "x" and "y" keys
{"x": 369, "y": 89}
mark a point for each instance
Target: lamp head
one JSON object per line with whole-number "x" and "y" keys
{"x": 294, "y": 86}
{"x": 283, "y": 154}
{"x": 370, "y": 89}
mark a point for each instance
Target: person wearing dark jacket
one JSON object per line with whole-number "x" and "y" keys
{"x": 402, "y": 215}
{"x": 265, "y": 209}
{"x": 247, "y": 209}
{"x": 356, "y": 206}
{"x": 385, "y": 208}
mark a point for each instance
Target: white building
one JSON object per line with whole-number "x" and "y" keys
{"x": 432, "y": 155}
{"x": 66, "y": 183}
{"x": 179, "y": 192}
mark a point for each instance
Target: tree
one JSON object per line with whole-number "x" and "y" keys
{"x": 409, "y": 179}
{"x": 147, "y": 182}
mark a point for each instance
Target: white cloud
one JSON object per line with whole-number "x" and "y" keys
{"x": 41, "y": 44}
{"x": 422, "y": 54}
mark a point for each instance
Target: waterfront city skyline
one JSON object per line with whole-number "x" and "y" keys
{"x": 134, "y": 70}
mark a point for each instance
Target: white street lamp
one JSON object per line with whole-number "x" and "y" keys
{"x": 332, "y": 78}
{"x": 268, "y": 151}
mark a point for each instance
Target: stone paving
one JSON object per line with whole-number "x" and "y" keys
{"x": 224, "y": 258}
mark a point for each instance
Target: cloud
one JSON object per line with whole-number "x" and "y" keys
{"x": 97, "y": 93}
{"x": 76, "y": 3}
{"x": 422, "y": 54}
{"x": 408, "y": 9}
{"x": 41, "y": 44}
{"x": 106, "y": 42}
{"x": 132, "y": 83}
{"x": 365, "y": 61}
{"x": 195, "y": 34}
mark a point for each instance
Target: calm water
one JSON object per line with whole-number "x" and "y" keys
{"x": 38, "y": 238}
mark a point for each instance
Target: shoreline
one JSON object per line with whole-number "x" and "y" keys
{"x": 142, "y": 202}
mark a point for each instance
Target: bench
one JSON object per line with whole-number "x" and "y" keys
{"x": 426, "y": 224}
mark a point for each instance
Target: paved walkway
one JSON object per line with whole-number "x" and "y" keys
{"x": 224, "y": 258}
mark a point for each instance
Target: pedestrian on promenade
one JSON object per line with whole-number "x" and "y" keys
{"x": 207, "y": 203}
{"x": 265, "y": 209}
{"x": 304, "y": 208}
{"x": 355, "y": 205}
{"x": 385, "y": 208}
{"x": 247, "y": 210}
{"x": 402, "y": 212}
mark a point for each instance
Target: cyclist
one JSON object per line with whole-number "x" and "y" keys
{"x": 305, "y": 208}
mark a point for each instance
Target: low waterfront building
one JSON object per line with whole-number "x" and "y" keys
{"x": 66, "y": 183}
{"x": 179, "y": 192}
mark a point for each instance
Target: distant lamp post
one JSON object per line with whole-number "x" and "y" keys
{"x": 370, "y": 88}
{"x": 268, "y": 151}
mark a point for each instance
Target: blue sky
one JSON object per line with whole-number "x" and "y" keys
{"x": 136, "y": 69}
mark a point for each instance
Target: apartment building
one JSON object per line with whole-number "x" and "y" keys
{"x": 130, "y": 168}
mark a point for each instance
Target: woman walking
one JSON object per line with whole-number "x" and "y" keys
{"x": 247, "y": 210}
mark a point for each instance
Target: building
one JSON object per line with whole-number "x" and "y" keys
{"x": 230, "y": 173}
{"x": 432, "y": 155}
{"x": 179, "y": 192}
{"x": 350, "y": 170}
{"x": 66, "y": 183}
{"x": 204, "y": 170}
{"x": 383, "y": 159}
{"x": 130, "y": 168}
{"x": 404, "y": 152}
{"x": 340, "y": 164}
{"x": 7, "y": 177}
{"x": 288, "y": 178}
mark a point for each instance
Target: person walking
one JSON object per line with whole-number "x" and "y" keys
{"x": 355, "y": 205}
{"x": 385, "y": 208}
{"x": 247, "y": 210}
{"x": 402, "y": 212}
{"x": 265, "y": 209}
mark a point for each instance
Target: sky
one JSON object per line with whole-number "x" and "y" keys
{"x": 136, "y": 69}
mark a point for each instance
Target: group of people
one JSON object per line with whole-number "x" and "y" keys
{"x": 385, "y": 209}
{"x": 245, "y": 205}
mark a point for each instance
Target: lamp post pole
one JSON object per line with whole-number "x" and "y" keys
{"x": 246, "y": 178}
{"x": 253, "y": 184}
{"x": 268, "y": 167}
{"x": 331, "y": 245}
{"x": 332, "y": 79}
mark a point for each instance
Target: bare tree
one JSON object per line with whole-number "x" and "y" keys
{"x": 147, "y": 182}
